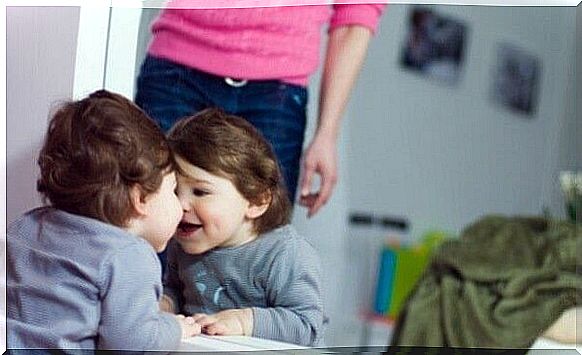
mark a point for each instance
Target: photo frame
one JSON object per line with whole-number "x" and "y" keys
{"x": 434, "y": 45}
{"x": 515, "y": 82}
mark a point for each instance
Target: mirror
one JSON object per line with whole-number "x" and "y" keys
{"x": 437, "y": 152}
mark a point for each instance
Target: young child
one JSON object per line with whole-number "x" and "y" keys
{"x": 235, "y": 263}
{"x": 82, "y": 273}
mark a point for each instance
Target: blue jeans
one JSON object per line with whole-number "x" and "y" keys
{"x": 168, "y": 91}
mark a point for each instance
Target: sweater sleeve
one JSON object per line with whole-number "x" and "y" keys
{"x": 130, "y": 315}
{"x": 367, "y": 15}
{"x": 295, "y": 310}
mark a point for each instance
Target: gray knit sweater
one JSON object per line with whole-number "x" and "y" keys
{"x": 277, "y": 275}
{"x": 77, "y": 283}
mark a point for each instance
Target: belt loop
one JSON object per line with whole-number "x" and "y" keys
{"x": 234, "y": 82}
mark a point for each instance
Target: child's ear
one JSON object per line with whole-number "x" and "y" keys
{"x": 256, "y": 210}
{"x": 137, "y": 201}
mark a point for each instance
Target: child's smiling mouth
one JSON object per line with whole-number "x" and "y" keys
{"x": 186, "y": 228}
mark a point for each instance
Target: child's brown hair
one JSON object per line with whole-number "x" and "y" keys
{"x": 95, "y": 150}
{"x": 229, "y": 146}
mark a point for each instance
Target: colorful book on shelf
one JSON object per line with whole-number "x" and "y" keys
{"x": 410, "y": 263}
{"x": 385, "y": 280}
{"x": 399, "y": 269}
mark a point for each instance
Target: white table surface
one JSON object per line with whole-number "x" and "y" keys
{"x": 544, "y": 345}
{"x": 231, "y": 343}
{"x": 205, "y": 343}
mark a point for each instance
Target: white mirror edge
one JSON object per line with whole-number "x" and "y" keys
{"x": 105, "y": 28}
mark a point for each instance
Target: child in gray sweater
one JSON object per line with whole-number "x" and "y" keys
{"x": 235, "y": 264}
{"x": 82, "y": 272}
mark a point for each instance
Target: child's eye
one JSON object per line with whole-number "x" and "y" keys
{"x": 176, "y": 191}
{"x": 199, "y": 192}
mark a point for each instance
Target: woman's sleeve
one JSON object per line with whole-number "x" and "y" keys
{"x": 366, "y": 15}
{"x": 295, "y": 308}
{"x": 130, "y": 292}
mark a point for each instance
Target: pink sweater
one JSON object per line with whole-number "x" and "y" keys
{"x": 253, "y": 43}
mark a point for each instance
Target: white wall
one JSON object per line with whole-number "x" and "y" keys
{"x": 442, "y": 155}
{"x": 565, "y": 152}
{"x": 40, "y": 61}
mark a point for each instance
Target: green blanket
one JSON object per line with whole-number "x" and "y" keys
{"x": 500, "y": 285}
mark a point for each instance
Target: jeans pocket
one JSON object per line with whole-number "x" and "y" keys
{"x": 292, "y": 101}
{"x": 294, "y": 95}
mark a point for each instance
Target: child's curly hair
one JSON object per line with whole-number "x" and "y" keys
{"x": 95, "y": 151}
{"x": 231, "y": 147}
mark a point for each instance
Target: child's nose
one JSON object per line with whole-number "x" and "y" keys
{"x": 185, "y": 204}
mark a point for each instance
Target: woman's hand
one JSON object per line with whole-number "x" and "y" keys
{"x": 345, "y": 54}
{"x": 319, "y": 159}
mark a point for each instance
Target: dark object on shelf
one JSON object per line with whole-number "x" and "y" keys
{"x": 392, "y": 222}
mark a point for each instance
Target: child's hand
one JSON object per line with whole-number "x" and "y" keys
{"x": 228, "y": 322}
{"x": 189, "y": 326}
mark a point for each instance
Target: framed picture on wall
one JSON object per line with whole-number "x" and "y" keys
{"x": 434, "y": 45}
{"x": 515, "y": 83}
